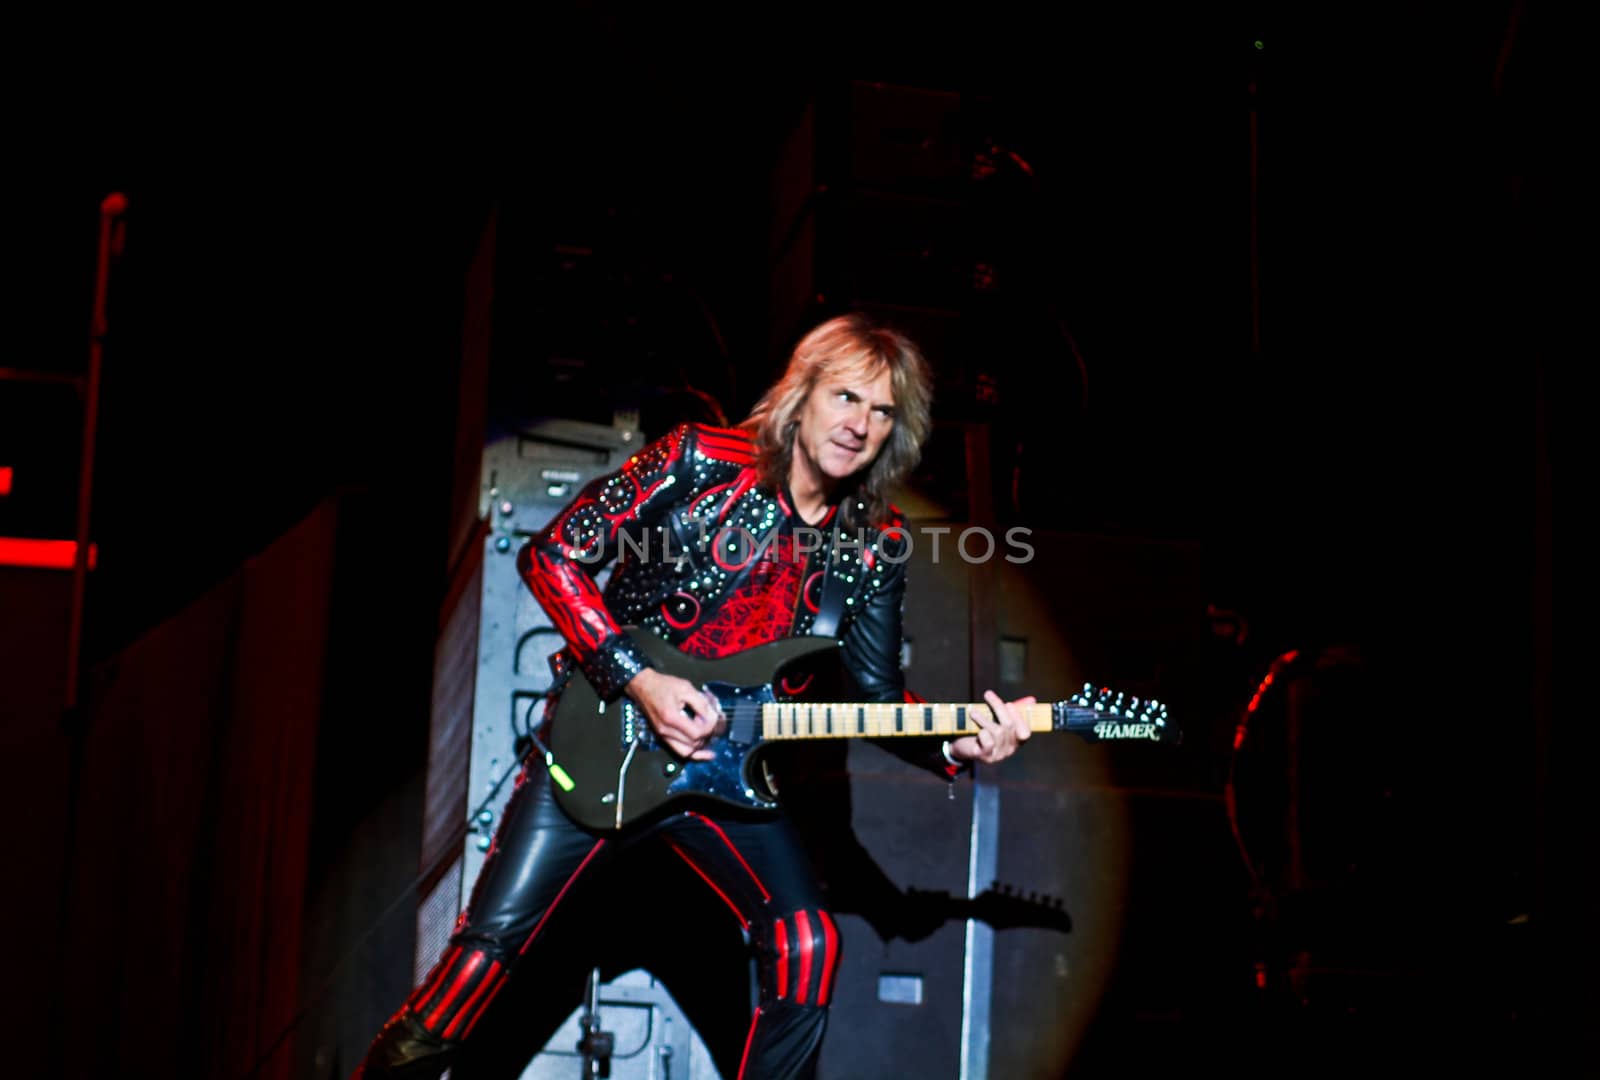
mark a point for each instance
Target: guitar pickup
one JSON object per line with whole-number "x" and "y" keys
{"x": 631, "y": 723}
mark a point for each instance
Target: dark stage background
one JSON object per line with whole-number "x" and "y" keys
{"x": 352, "y": 250}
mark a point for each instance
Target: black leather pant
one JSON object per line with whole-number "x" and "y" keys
{"x": 757, "y": 869}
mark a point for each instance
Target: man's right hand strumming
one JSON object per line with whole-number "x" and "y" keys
{"x": 684, "y": 716}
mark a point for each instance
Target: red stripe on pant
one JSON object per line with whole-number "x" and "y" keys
{"x": 781, "y": 942}
{"x": 489, "y": 986}
{"x": 809, "y": 942}
{"x": 432, "y": 1020}
{"x": 435, "y": 979}
{"x": 749, "y": 1040}
{"x": 598, "y": 844}
{"x": 744, "y": 923}
{"x": 830, "y": 957}
{"x": 802, "y": 939}
{"x": 714, "y": 827}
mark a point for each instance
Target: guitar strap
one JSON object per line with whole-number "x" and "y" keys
{"x": 830, "y": 608}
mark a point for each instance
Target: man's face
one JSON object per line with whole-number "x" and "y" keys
{"x": 843, "y": 424}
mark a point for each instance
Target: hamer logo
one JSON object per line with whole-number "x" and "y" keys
{"x": 1106, "y": 729}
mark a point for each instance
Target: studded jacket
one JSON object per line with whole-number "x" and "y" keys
{"x": 713, "y": 562}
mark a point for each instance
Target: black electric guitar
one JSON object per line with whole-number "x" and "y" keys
{"x": 610, "y": 769}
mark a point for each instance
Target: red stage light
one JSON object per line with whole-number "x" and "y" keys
{"x": 43, "y": 554}
{"x": 5, "y": 479}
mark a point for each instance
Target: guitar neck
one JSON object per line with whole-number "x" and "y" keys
{"x": 835, "y": 720}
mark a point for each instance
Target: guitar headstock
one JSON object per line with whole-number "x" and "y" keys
{"x": 1105, "y": 715}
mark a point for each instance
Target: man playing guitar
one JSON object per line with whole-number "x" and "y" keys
{"x": 728, "y": 539}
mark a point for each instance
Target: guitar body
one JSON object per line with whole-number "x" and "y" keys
{"x": 620, "y": 773}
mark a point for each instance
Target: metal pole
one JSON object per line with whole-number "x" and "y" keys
{"x": 977, "y": 975}
{"x": 111, "y": 208}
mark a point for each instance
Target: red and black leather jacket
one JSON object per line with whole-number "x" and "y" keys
{"x": 713, "y": 562}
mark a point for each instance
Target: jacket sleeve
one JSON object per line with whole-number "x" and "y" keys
{"x": 559, "y": 563}
{"x": 871, "y": 642}
{"x": 871, "y": 646}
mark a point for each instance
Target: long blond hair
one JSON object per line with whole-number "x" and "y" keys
{"x": 843, "y": 343}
